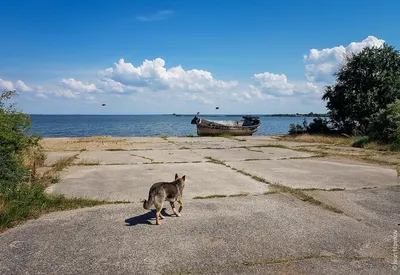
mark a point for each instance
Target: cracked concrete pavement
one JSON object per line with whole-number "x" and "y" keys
{"x": 251, "y": 234}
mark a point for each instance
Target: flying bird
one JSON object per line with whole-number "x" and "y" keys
{"x": 216, "y": 108}
{"x": 103, "y": 104}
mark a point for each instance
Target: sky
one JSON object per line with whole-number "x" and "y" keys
{"x": 164, "y": 57}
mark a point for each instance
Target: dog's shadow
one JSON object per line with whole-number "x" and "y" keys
{"x": 145, "y": 218}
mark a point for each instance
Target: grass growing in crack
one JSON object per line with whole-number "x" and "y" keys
{"x": 216, "y": 161}
{"x": 255, "y": 159}
{"x": 241, "y": 171}
{"x": 302, "y": 258}
{"x": 115, "y": 149}
{"x": 299, "y": 194}
{"x": 133, "y": 155}
{"x": 239, "y": 195}
{"x": 164, "y": 137}
{"x": 275, "y": 262}
{"x": 270, "y": 192}
{"x": 209, "y": 197}
{"x": 63, "y": 163}
{"x": 85, "y": 162}
{"x": 320, "y": 189}
{"x": 271, "y": 145}
{"x": 253, "y": 150}
{"x": 184, "y": 148}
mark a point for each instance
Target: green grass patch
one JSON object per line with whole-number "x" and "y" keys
{"x": 30, "y": 201}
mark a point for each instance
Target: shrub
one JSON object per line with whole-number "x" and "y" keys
{"x": 361, "y": 142}
{"x": 15, "y": 140}
{"x": 385, "y": 126}
{"x": 296, "y": 129}
{"x": 317, "y": 126}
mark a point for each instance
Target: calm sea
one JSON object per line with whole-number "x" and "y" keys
{"x": 140, "y": 125}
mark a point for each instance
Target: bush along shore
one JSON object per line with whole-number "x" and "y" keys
{"x": 22, "y": 190}
{"x": 364, "y": 101}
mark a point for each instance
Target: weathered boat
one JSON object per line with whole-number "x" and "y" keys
{"x": 246, "y": 127}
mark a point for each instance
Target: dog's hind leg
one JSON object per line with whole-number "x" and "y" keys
{"x": 158, "y": 213}
{"x": 174, "y": 209}
{"x": 181, "y": 205}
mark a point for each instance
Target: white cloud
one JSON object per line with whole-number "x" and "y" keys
{"x": 65, "y": 93}
{"x": 156, "y": 77}
{"x": 20, "y": 85}
{"x": 78, "y": 86}
{"x": 322, "y": 64}
{"x": 6, "y": 85}
{"x": 160, "y": 15}
{"x": 112, "y": 86}
{"x": 319, "y": 69}
{"x": 42, "y": 96}
{"x": 275, "y": 84}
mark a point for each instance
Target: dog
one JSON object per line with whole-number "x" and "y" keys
{"x": 165, "y": 191}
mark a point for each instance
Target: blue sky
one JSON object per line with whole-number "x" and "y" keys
{"x": 243, "y": 56}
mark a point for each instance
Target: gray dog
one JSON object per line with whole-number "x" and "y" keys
{"x": 165, "y": 191}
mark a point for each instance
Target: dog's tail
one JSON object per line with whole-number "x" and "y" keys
{"x": 147, "y": 203}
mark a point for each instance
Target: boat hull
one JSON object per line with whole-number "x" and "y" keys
{"x": 245, "y": 127}
{"x": 205, "y": 131}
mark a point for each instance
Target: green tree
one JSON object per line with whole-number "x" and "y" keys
{"x": 365, "y": 83}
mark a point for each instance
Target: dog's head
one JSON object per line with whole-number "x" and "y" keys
{"x": 179, "y": 180}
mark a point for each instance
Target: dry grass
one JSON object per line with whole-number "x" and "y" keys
{"x": 337, "y": 140}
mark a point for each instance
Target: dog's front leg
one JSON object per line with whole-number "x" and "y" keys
{"x": 174, "y": 209}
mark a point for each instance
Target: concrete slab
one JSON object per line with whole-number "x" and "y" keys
{"x": 108, "y": 157}
{"x": 377, "y": 207}
{"x": 182, "y": 155}
{"x": 282, "y": 153}
{"x": 322, "y": 173}
{"x": 132, "y": 182}
{"x": 242, "y": 154}
{"x": 251, "y": 235}
{"x": 205, "y": 142}
{"x": 105, "y": 143}
{"x": 234, "y": 154}
{"x": 53, "y": 157}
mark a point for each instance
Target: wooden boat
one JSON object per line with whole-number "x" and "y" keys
{"x": 245, "y": 127}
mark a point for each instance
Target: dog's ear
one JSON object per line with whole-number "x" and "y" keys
{"x": 183, "y": 177}
{"x": 176, "y": 176}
